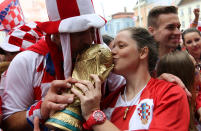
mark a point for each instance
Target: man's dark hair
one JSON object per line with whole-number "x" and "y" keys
{"x": 107, "y": 39}
{"x": 2, "y": 52}
{"x": 144, "y": 38}
{"x": 190, "y": 30}
{"x": 155, "y": 12}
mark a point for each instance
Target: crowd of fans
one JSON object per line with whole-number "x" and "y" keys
{"x": 155, "y": 84}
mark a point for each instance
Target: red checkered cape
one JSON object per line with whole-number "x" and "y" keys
{"x": 159, "y": 106}
{"x": 10, "y": 14}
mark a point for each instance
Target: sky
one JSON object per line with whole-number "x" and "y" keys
{"x": 108, "y": 7}
{"x": 104, "y": 8}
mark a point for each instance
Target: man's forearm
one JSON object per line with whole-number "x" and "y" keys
{"x": 17, "y": 122}
{"x": 195, "y": 22}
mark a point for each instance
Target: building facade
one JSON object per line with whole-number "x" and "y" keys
{"x": 142, "y": 8}
{"x": 185, "y": 11}
{"x": 118, "y": 22}
{"x": 34, "y": 10}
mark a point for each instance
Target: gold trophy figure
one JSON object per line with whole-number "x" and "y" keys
{"x": 95, "y": 60}
{"x": 4, "y": 66}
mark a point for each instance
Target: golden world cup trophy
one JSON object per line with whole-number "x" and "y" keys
{"x": 95, "y": 60}
{"x": 4, "y": 66}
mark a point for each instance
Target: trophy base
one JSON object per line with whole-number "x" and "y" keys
{"x": 56, "y": 127}
{"x": 68, "y": 119}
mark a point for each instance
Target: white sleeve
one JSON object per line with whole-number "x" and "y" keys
{"x": 18, "y": 92}
{"x": 115, "y": 81}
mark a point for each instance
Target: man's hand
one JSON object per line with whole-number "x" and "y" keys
{"x": 176, "y": 80}
{"x": 54, "y": 100}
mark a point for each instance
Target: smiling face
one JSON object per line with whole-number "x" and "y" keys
{"x": 167, "y": 32}
{"x": 193, "y": 44}
{"x": 125, "y": 53}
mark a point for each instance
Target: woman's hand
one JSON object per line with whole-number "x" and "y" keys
{"x": 54, "y": 100}
{"x": 91, "y": 96}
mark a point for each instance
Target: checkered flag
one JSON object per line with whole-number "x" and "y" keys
{"x": 21, "y": 37}
{"x": 10, "y": 15}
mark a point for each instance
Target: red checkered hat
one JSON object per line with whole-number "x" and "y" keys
{"x": 22, "y": 37}
{"x": 70, "y": 16}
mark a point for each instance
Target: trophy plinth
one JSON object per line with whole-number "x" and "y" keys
{"x": 69, "y": 119}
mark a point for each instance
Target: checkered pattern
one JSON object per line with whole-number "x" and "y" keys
{"x": 34, "y": 111}
{"x": 144, "y": 111}
{"x": 70, "y": 16}
{"x": 22, "y": 37}
{"x": 14, "y": 16}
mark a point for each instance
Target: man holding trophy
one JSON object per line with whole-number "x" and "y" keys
{"x": 73, "y": 27}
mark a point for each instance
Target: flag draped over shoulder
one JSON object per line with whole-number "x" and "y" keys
{"x": 10, "y": 14}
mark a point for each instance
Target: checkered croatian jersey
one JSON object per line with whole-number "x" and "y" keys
{"x": 27, "y": 81}
{"x": 159, "y": 106}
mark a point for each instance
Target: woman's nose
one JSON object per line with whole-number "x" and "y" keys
{"x": 114, "y": 50}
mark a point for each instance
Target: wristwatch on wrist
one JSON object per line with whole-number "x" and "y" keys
{"x": 97, "y": 117}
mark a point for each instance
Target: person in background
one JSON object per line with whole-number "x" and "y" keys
{"x": 144, "y": 103}
{"x": 173, "y": 63}
{"x": 108, "y": 40}
{"x": 196, "y": 23}
{"x": 192, "y": 42}
{"x": 163, "y": 23}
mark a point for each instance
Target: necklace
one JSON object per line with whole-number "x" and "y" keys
{"x": 131, "y": 103}
{"x": 127, "y": 108}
